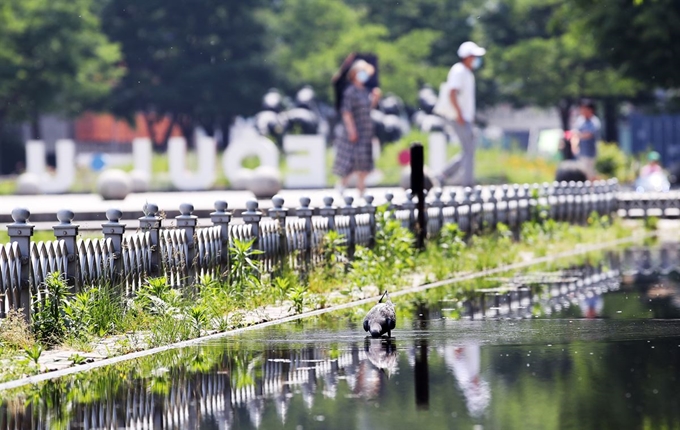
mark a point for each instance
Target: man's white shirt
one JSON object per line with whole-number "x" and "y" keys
{"x": 462, "y": 79}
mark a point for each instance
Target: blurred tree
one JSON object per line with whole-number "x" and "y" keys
{"x": 53, "y": 57}
{"x": 314, "y": 37}
{"x": 196, "y": 62}
{"x": 453, "y": 20}
{"x": 640, "y": 37}
{"x": 540, "y": 53}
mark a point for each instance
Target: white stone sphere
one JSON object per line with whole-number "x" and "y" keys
{"x": 265, "y": 182}
{"x": 28, "y": 184}
{"x": 241, "y": 178}
{"x": 114, "y": 184}
{"x": 139, "y": 181}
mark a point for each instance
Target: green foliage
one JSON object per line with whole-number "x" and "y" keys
{"x": 54, "y": 57}
{"x": 200, "y": 63}
{"x": 244, "y": 270}
{"x": 15, "y": 334}
{"x": 612, "y": 162}
{"x": 98, "y": 310}
{"x": 198, "y": 317}
{"x": 541, "y": 53}
{"x": 451, "y": 242}
{"x": 157, "y": 297}
{"x": 34, "y": 352}
{"x": 298, "y": 296}
{"x": 315, "y": 36}
{"x": 636, "y": 36}
{"x": 392, "y": 256}
{"x": 50, "y": 319}
{"x": 77, "y": 359}
{"x": 334, "y": 250}
{"x": 651, "y": 223}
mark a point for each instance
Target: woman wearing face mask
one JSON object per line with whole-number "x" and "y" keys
{"x": 354, "y": 151}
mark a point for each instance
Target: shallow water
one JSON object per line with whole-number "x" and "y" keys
{"x": 595, "y": 356}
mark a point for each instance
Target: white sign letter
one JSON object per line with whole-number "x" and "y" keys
{"x": 66, "y": 162}
{"x": 184, "y": 180}
{"x": 305, "y": 161}
{"x": 249, "y": 145}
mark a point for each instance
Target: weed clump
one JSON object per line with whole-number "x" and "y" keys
{"x": 15, "y": 334}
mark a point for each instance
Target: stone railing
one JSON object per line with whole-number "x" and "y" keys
{"x": 291, "y": 236}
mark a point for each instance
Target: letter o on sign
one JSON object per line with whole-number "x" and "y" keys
{"x": 252, "y": 145}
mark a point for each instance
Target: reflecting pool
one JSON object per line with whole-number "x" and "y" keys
{"x": 593, "y": 346}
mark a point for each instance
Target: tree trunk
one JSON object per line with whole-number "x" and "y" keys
{"x": 611, "y": 129}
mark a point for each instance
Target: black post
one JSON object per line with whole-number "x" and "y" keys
{"x": 418, "y": 187}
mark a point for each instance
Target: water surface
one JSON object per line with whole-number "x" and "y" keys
{"x": 586, "y": 353}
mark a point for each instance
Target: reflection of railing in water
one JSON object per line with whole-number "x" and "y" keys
{"x": 517, "y": 300}
{"x": 194, "y": 397}
{"x": 662, "y": 260}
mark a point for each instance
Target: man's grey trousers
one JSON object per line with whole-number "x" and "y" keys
{"x": 466, "y": 158}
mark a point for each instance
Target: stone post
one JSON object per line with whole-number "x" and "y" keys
{"x": 187, "y": 223}
{"x": 20, "y": 232}
{"x": 370, "y": 210}
{"x": 494, "y": 207}
{"x": 305, "y": 213}
{"x": 453, "y": 202}
{"x": 439, "y": 204}
{"x": 350, "y": 211}
{"x": 467, "y": 201}
{"x": 410, "y": 206}
{"x": 328, "y": 212}
{"x": 221, "y": 218}
{"x": 279, "y": 213}
{"x": 68, "y": 232}
{"x": 252, "y": 217}
{"x": 151, "y": 223}
{"x": 390, "y": 206}
{"x": 114, "y": 231}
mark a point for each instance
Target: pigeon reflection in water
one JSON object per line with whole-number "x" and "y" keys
{"x": 382, "y": 318}
{"x": 380, "y": 363}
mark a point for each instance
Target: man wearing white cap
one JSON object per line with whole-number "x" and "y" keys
{"x": 460, "y": 85}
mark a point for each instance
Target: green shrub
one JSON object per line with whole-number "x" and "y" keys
{"x": 612, "y": 162}
{"x": 49, "y": 314}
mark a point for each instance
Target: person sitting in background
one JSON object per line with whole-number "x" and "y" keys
{"x": 652, "y": 165}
